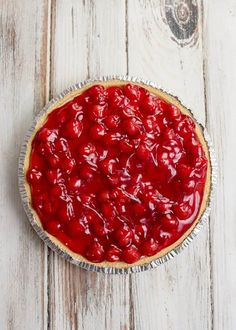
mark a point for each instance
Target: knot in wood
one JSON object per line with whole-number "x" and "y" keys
{"x": 182, "y": 17}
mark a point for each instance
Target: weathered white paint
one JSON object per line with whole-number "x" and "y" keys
{"x": 23, "y": 274}
{"x": 220, "y": 75}
{"x": 48, "y": 45}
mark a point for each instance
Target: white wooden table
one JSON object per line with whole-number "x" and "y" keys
{"x": 188, "y": 47}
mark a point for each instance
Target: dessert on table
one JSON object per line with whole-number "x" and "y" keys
{"x": 117, "y": 173}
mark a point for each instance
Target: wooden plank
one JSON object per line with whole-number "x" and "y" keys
{"x": 162, "y": 49}
{"x": 220, "y": 76}
{"x": 23, "y": 45}
{"x": 85, "y": 44}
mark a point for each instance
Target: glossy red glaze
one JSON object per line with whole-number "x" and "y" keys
{"x": 117, "y": 174}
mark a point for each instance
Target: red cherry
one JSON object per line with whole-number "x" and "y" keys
{"x": 54, "y": 161}
{"x": 143, "y": 153}
{"x": 149, "y": 104}
{"x": 80, "y": 99}
{"x": 112, "y": 139}
{"x": 118, "y": 101}
{"x": 62, "y": 146}
{"x": 139, "y": 210}
{"x": 39, "y": 200}
{"x": 143, "y": 93}
{"x": 104, "y": 196}
{"x": 201, "y": 162}
{"x": 163, "y": 106}
{"x": 34, "y": 176}
{"x": 81, "y": 244}
{"x": 123, "y": 236}
{"x": 156, "y": 232}
{"x": 121, "y": 208}
{"x": 160, "y": 123}
{"x": 75, "y": 228}
{"x": 118, "y": 195}
{"x": 47, "y": 207}
{"x": 185, "y": 127}
{"x": 169, "y": 222}
{"x": 98, "y": 94}
{"x": 189, "y": 185}
{"x": 163, "y": 157}
{"x": 45, "y": 149}
{"x": 174, "y": 112}
{"x": 65, "y": 239}
{"x": 53, "y": 227}
{"x": 97, "y": 131}
{"x": 196, "y": 150}
{"x": 47, "y": 135}
{"x": 149, "y": 124}
{"x": 74, "y": 183}
{"x": 131, "y": 255}
{"x": 163, "y": 205}
{"x": 132, "y": 92}
{"x": 86, "y": 172}
{"x": 126, "y": 146}
{"x": 107, "y": 166}
{"x": 183, "y": 171}
{"x": 141, "y": 230}
{"x": 87, "y": 149}
{"x": 99, "y": 230}
{"x": 91, "y": 217}
{"x": 67, "y": 165}
{"x": 182, "y": 211}
{"x": 113, "y": 253}
{"x": 114, "y": 180}
{"x": 76, "y": 110}
{"x": 62, "y": 116}
{"x": 53, "y": 175}
{"x": 108, "y": 210}
{"x": 37, "y": 162}
{"x": 133, "y": 191}
{"x": 112, "y": 121}
{"x": 65, "y": 212}
{"x": 96, "y": 90}
{"x": 131, "y": 126}
{"x": 124, "y": 166}
{"x": 86, "y": 199}
{"x": 129, "y": 111}
{"x": 114, "y": 92}
{"x": 95, "y": 252}
{"x": 97, "y": 112}
{"x": 150, "y": 247}
{"x": 73, "y": 129}
{"x": 169, "y": 134}
{"x": 56, "y": 190}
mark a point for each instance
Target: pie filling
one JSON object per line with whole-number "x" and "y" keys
{"x": 117, "y": 174}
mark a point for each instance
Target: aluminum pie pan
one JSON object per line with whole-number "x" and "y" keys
{"x": 86, "y": 265}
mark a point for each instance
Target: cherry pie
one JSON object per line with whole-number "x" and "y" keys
{"x": 117, "y": 173}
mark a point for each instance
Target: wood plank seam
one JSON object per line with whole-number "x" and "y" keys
{"x": 126, "y": 37}
{"x": 204, "y": 50}
{"x": 51, "y": 6}
{"x": 131, "y": 305}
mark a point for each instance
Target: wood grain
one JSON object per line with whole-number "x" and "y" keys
{"x": 220, "y": 76}
{"x": 23, "y": 276}
{"x": 47, "y": 45}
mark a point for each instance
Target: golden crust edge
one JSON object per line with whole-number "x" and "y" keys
{"x": 167, "y": 97}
